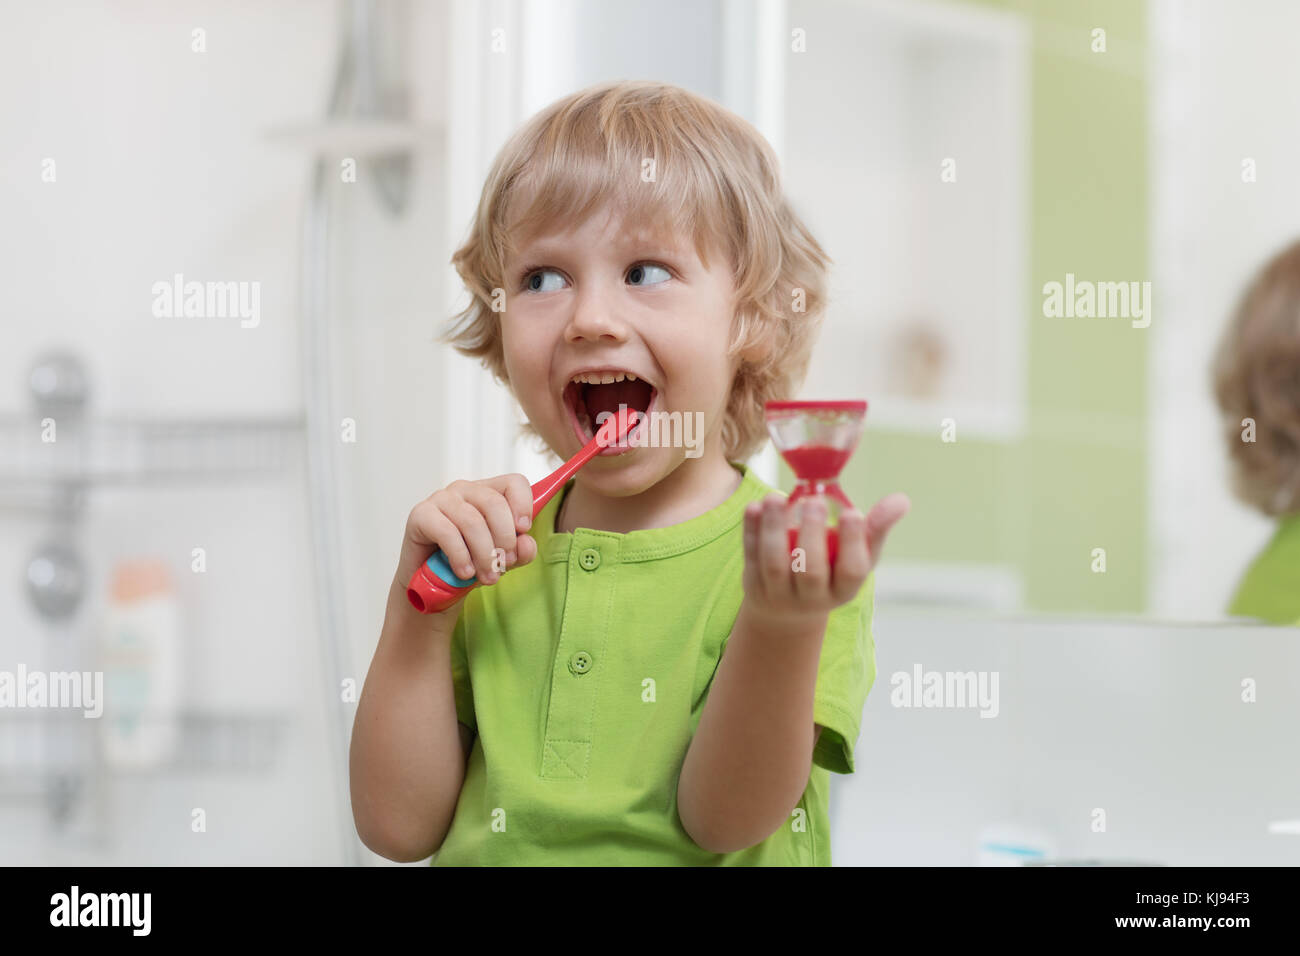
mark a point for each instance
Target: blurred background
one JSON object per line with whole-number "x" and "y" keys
{"x": 208, "y": 507}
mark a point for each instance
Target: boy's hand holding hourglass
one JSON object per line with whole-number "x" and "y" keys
{"x": 780, "y": 584}
{"x": 795, "y": 566}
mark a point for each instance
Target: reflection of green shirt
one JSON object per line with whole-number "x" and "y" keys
{"x": 584, "y": 674}
{"x": 1271, "y": 587}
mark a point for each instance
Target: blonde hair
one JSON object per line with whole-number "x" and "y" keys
{"x": 1257, "y": 376}
{"x": 714, "y": 178}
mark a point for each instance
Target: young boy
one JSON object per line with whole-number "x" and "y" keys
{"x": 650, "y": 682}
{"x": 1257, "y": 378}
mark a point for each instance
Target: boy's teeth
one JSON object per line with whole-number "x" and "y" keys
{"x": 603, "y": 378}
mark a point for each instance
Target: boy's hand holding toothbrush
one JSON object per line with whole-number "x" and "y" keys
{"x": 479, "y": 525}
{"x": 783, "y": 596}
{"x": 476, "y": 527}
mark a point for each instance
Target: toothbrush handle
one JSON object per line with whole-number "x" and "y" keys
{"x": 435, "y": 586}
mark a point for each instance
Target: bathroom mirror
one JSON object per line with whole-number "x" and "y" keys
{"x": 993, "y": 161}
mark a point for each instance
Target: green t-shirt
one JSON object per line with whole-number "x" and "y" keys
{"x": 1270, "y": 588}
{"x": 584, "y": 675}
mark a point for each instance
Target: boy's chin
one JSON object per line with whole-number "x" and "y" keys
{"x": 630, "y": 473}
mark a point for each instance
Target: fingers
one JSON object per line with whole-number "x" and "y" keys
{"x": 772, "y": 572}
{"x": 773, "y": 547}
{"x": 769, "y": 562}
{"x": 887, "y": 512}
{"x": 455, "y": 502}
{"x": 813, "y": 580}
{"x": 478, "y": 525}
{"x": 506, "y": 504}
{"x": 526, "y": 548}
{"x": 852, "y": 561}
{"x": 427, "y": 526}
{"x": 519, "y": 495}
{"x": 495, "y": 510}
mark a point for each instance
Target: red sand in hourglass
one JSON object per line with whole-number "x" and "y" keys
{"x": 811, "y": 462}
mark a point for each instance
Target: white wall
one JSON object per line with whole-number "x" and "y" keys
{"x": 164, "y": 166}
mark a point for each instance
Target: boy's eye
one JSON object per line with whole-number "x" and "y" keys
{"x": 534, "y": 281}
{"x": 640, "y": 271}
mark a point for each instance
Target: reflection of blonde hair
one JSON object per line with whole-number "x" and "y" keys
{"x": 714, "y": 178}
{"x": 1257, "y": 376}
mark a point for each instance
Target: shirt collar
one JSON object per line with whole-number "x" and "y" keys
{"x": 649, "y": 544}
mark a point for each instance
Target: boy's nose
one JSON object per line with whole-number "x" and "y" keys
{"x": 593, "y": 319}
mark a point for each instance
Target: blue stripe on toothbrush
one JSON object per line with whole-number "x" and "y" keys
{"x": 438, "y": 564}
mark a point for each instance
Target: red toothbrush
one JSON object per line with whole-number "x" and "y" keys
{"x": 435, "y": 586}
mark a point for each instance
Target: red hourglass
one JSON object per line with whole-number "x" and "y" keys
{"x": 816, "y": 440}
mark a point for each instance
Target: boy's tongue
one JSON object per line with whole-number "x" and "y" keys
{"x": 607, "y": 398}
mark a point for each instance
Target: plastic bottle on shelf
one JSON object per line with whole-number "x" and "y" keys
{"x": 140, "y": 658}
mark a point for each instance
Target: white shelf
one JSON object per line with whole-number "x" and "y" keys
{"x": 125, "y": 451}
{"x": 207, "y": 742}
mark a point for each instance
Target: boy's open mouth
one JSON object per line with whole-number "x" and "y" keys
{"x": 590, "y": 393}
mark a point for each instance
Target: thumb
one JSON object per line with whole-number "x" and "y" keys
{"x": 887, "y": 512}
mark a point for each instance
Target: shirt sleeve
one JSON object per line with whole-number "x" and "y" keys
{"x": 845, "y": 673}
{"x": 464, "y": 691}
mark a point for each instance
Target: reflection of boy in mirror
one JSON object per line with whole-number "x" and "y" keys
{"x": 1257, "y": 384}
